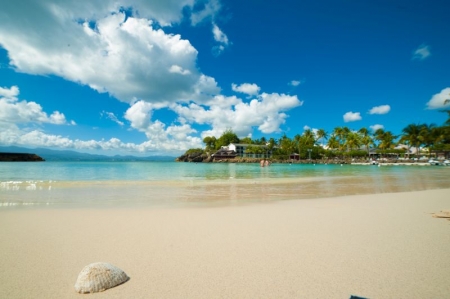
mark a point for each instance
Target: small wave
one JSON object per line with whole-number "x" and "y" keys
{"x": 28, "y": 185}
{"x": 15, "y": 204}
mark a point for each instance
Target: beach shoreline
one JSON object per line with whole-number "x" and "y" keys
{"x": 375, "y": 245}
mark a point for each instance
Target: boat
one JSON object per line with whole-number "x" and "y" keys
{"x": 434, "y": 162}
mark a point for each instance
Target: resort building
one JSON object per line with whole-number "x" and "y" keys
{"x": 241, "y": 150}
{"x": 294, "y": 156}
{"x": 224, "y": 153}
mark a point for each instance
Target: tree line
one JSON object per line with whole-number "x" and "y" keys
{"x": 341, "y": 142}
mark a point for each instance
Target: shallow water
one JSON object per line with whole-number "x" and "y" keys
{"x": 101, "y": 184}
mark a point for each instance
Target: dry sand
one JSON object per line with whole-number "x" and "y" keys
{"x": 375, "y": 246}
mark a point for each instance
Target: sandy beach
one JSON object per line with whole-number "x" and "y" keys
{"x": 374, "y": 246}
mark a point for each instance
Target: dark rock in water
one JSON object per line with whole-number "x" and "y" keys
{"x": 194, "y": 157}
{"x": 20, "y": 157}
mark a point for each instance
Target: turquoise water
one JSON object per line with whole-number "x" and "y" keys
{"x": 160, "y": 171}
{"x": 169, "y": 183}
{"x": 155, "y": 171}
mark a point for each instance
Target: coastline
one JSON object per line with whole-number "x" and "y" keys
{"x": 376, "y": 245}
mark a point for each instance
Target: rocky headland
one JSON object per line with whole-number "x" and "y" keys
{"x": 20, "y": 157}
{"x": 195, "y": 157}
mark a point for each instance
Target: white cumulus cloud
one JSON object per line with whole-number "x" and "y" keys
{"x": 438, "y": 100}
{"x": 266, "y": 113}
{"x": 352, "y": 116}
{"x": 128, "y": 57}
{"x": 11, "y": 92}
{"x": 383, "y": 109}
{"x": 179, "y": 70}
{"x": 169, "y": 137}
{"x": 21, "y": 112}
{"x": 247, "y": 88}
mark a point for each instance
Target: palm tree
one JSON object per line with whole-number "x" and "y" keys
{"x": 378, "y": 135}
{"x": 309, "y": 138}
{"x": 298, "y": 142}
{"x": 426, "y": 137}
{"x": 341, "y": 135}
{"x": 333, "y": 142}
{"x": 272, "y": 143}
{"x": 367, "y": 141}
{"x": 363, "y": 131}
{"x": 411, "y": 135}
{"x": 447, "y": 122}
{"x": 353, "y": 140}
{"x": 431, "y": 135}
{"x": 439, "y": 135}
{"x": 387, "y": 140}
{"x": 287, "y": 145}
{"x": 321, "y": 135}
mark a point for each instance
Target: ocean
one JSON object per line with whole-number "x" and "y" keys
{"x": 131, "y": 184}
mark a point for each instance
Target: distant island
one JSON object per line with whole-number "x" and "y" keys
{"x": 20, "y": 157}
{"x": 72, "y": 156}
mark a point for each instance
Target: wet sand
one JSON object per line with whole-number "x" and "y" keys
{"x": 384, "y": 245}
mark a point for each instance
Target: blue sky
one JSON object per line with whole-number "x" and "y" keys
{"x": 155, "y": 77}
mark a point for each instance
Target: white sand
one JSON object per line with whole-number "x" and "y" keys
{"x": 375, "y": 246}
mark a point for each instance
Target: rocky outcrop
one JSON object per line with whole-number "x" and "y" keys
{"x": 20, "y": 157}
{"x": 194, "y": 157}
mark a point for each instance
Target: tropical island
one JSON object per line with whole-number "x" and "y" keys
{"x": 342, "y": 145}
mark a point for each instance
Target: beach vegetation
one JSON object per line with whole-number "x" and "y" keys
{"x": 226, "y": 138}
{"x": 343, "y": 143}
{"x": 257, "y": 150}
{"x": 355, "y": 154}
{"x": 246, "y": 140}
{"x": 411, "y": 136}
{"x": 392, "y": 151}
{"x": 194, "y": 151}
{"x": 321, "y": 135}
{"x": 210, "y": 142}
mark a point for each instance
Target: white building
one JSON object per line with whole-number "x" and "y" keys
{"x": 240, "y": 149}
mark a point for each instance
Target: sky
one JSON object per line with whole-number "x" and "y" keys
{"x": 154, "y": 77}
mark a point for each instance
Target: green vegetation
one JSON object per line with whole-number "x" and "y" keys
{"x": 193, "y": 151}
{"x": 341, "y": 142}
{"x": 213, "y": 144}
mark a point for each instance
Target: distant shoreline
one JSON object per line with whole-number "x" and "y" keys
{"x": 238, "y": 160}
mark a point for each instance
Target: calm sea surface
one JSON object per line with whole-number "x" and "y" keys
{"x": 101, "y": 184}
